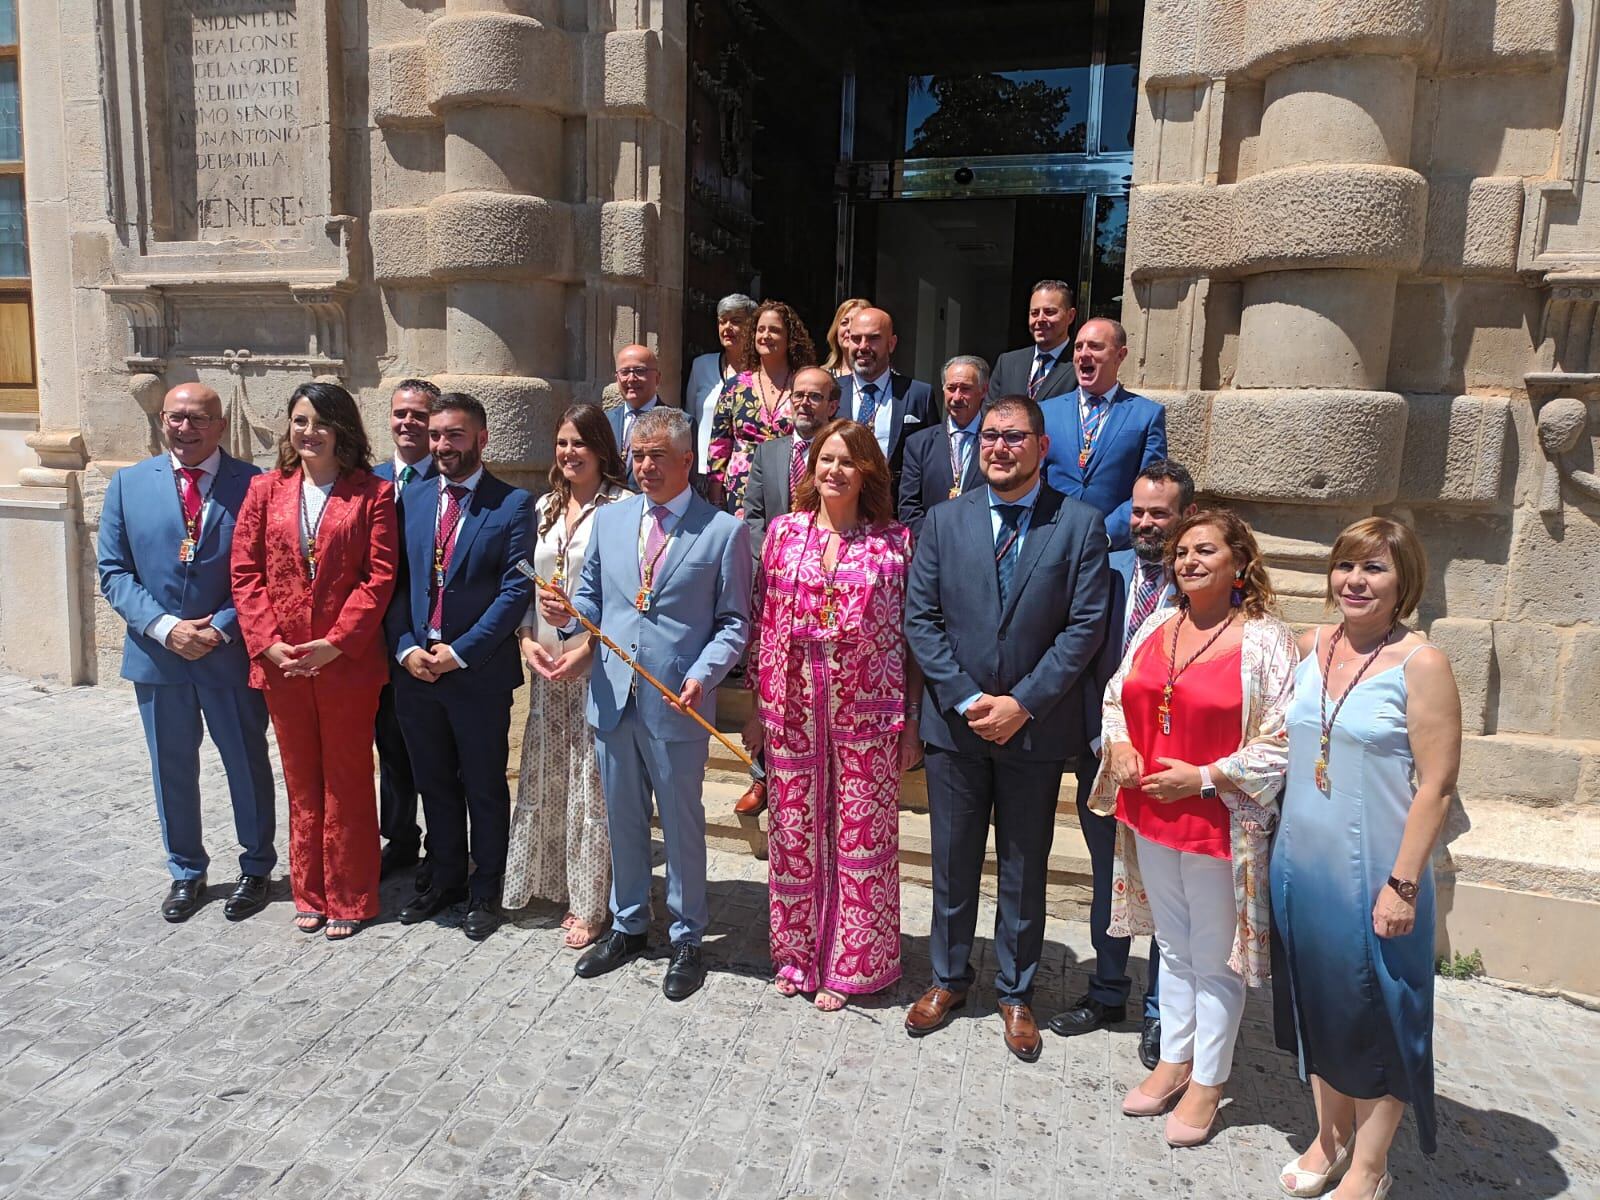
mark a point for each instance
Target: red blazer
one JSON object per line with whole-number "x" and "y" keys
{"x": 357, "y": 549}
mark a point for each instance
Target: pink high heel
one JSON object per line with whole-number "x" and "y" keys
{"x": 1139, "y": 1103}
{"x": 1183, "y": 1134}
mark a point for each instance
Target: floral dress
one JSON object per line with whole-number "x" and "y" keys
{"x": 831, "y": 686}
{"x": 742, "y": 421}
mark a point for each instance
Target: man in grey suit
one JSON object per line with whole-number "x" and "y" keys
{"x": 941, "y": 463}
{"x": 1043, "y": 370}
{"x": 668, "y": 576}
{"x": 1005, "y": 612}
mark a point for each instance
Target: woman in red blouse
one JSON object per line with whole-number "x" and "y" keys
{"x": 314, "y": 555}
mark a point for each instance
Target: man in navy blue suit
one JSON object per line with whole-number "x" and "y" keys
{"x": 452, "y": 628}
{"x": 941, "y": 463}
{"x": 892, "y": 405}
{"x": 397, "y": 790}
{"x": 166, "y": 537}
{"x": 1163, "y": 494}
{"x": 1102, "y": 435}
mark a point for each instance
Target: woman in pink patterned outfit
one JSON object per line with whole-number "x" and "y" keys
{"x": 836, "y": 698}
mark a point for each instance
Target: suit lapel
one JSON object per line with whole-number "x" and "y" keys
{"x": 1115, "y": 418}
{"x": 337, "y": 514}
{"x": 899, "y": 385}
{"x": 223, "y": 488}
{"x": 471, "y": 521}
{"x": 689, "y": 529}
{"x": 1041, "y": 525}
{"x": 980, "y": 533}
{"x": 422, "y": 517}
{"x": 1062, "y": 376}
{"x": 1068, "y": 455}
{"x": 784, "y": 459}
{"x": 165, "y": 501}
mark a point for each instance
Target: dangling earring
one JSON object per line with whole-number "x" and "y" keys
{"x": 1236, "y": 597}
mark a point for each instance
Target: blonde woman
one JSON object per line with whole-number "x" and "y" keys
{"x": 838, "y": 360}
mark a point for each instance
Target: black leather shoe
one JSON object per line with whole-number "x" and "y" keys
{"x": 424, "y": 904}
{"x": 183, "y": 897}
{"x": 613, "y": 950}
{"x": 1150, "y": 1043}
{"x": 423, "y": 879}
{"x": 483, "y": 918}
{"x": 396, "y": 858}
{"x": 1085, "y": 1016}
{"x": 249, "y": 897}
{"x": 686, "y": 974}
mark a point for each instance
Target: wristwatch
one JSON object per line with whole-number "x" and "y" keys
{"x": 1406, "y": 889}
{"x": 1208, "y": 790}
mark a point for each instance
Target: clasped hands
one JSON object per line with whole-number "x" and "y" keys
{"x": 1177, "y": 779}
{"x": 194, "y": 639}
{"x": 557, "y": 668}
{"x": 428, "y": 665}
{"x": 301, "y": 661}
{"x": 996, "y": 718}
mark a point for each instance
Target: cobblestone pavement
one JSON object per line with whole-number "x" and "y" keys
{"x": 212, "y": 1059}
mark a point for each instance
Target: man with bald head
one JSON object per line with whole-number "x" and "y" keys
{"x": 639, "y": 381}
{"x": 1102, "y": 435}
{"x": 166, "y": 539}
{"x": 892, "y": 405}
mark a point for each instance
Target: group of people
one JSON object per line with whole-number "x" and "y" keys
{"x": 1003, "y": 588}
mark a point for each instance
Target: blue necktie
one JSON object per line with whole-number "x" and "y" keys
{"x": 1005, "y": 547}
{"x": 867, "y": 409}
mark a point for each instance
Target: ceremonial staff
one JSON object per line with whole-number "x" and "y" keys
{"x": 526, "y": 568}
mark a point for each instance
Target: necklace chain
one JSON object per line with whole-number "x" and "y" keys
{"x": 1326, "y": 741}
{"x": 1164, "y": 709}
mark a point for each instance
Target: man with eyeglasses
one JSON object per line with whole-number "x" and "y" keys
{"x": 1006, "y": 608}
{"x": 166, "y": 540}
{"x": 776, "y": 470}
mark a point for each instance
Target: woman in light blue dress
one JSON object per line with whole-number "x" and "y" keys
{"x": 1374, "y": 746}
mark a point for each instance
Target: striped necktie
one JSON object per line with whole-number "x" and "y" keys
{"x": 1041, "y": 368}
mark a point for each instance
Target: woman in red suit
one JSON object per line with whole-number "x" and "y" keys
{"x": 314, "y": 554}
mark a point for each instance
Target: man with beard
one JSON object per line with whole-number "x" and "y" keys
{"x": 1163, "y": 494}
{"x": 892, "y": 405}
{"x": 776, "y": 470}
{"x": 452, "y": 628}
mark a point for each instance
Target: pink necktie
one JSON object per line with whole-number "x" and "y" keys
{"x": 655, "y": 540}
{"x": 191, "y": 493}
{"x": 1144, "y": 600}
{"x": 797, "y": 467}
{"x": 444, "y": 549}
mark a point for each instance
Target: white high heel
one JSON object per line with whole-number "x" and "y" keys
{"x": 1309, "y": 1183}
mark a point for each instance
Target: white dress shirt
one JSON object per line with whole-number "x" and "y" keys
{"x": 419, "y": 469}
{"x": 883, "y": 417}
{"x": 471, "y": 484}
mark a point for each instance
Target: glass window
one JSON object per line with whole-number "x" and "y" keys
{"x": 13, "y": 229}
{"x": 10, "y": 113}
{"x": 997, "y": 112}
{"x": 1110, "y": 256}
{"x": 1119, "y": 101}
{"x": 8, "y": 22}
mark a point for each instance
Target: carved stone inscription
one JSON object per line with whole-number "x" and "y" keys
{"x": 234, "y": 128}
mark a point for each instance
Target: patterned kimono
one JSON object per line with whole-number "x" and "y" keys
{"x": 831, "y": 695}
{"x": 737, "y": 427}
{"x": 1267, "y": 666}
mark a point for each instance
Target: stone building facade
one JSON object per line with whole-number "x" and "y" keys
{"x": 1363, "y": 273}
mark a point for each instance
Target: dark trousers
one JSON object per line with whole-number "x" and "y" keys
{"x": 459, "y": 740}
{"x": 397, "y": 789}
{"x": 966, "y": 792}
{"x": 1110, "y": 983}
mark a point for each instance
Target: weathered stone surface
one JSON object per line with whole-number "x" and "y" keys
{"x": 1519, "y": 768}
{"x": 487, "y": 235}
{"x": 1469, "y": 645}
{"x": 1338, "y": 110}
{"x": 398, "y": 77}
{"x": 628, "y": 234}
{"x": 1578, "y": 715}
{"x": 1456, "y": 450}
{"x": 1528, "y": 677}
{"x": 498, "y": 58}
{"x": 1322, "y": 447}
{"x": 1499, "y": 34}
{"x": 1555, "y": 579}
{"x": 1473, "y": 226}
{"x": 1334, "y": 325}
{"x": 399, "y": 239}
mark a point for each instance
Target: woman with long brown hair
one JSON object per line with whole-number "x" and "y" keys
{"x": 314, "y": 554}
{"x": 1195, "y": 750}
{"x": 838, "y": 360}
{"x": 836, "y": 703}
{"x": 558, "y": 848}
{"x": 755, "y": 407}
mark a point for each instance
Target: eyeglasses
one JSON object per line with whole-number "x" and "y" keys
{"x": 633, "y": 372}
{"x": 808, "y": 398}
{"x": 305, "y": 425}
{"x": 1011, "y": 437}
{"x": 197, "y": 421}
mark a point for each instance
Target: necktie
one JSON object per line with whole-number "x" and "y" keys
{"x": 655, "y": 541}
{"x": 1144, "y": 598}
{"x": 797, "y": 466}
{"x": 191, "y": 494}
{"x": 407, "y": 474}
{"x": 963, "y": 454}
{"x": 1005, "y": 547}
{"x": 444, "y": 548}
{"x": 1093, "y": 419}
{"x": 1041, "y": 368}
{"x": 868, "y": 408}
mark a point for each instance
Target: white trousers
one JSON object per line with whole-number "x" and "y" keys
{"x": 1202, "y": 998}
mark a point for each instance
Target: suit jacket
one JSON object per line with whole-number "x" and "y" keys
{"x": 766, "y": 491}
{"x": 925, "y": 477}
{"x": 485, "y": 596}
{"x": 1038, "y": 650}
{"x": 697, "y": 623}
{"x": 1134, "y": 436}
{"x": 1011, "y": 371}
{"x": 615, "y": 415}
{"x": 358, "y": 547}
{"x": 912, "y": 406}
{"x": 141, "y": 578}
{"x": 1119, "y": 576}
{"x": 385, "y": 470}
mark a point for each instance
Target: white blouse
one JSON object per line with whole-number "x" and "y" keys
{"x": 551, "y": 547}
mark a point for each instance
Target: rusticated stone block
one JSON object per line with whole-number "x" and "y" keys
{"x": 490, "y": 235}
{"x": 522, "y": 413}
{"x": 630, "y": 68}
{"x": 499, "y": 58}
{"x": 398, "y": 83}
{"x": 1473, "y": 226}
{"x": 1545, "y": 772}
{"x": 1455, "y": 449}
{"x": 1339, "y": 110}
{"x": 1331, "y": 327}
{"x": 1317, "y": 447}
{"x": 1579, "y": 712}
{"x": 1488, "y": 125}
{"x": 1419, "y": 358}
{"x": 1187, "y": 418}
{"x": 1469, "y": 645}
{"x": 1554, "y": 573}
{"x": 1296, "y": 30}
{"x": 1497, "y": 34}
{"x": 399, "y": 238}
{"x": 1527, "y": 660}
{"x": 628, "y": 240}
{"x": 1186, "y": 41}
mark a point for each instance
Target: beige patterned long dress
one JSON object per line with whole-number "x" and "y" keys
{"x": 559, "y": 848}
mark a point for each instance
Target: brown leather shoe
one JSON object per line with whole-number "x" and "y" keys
{"x": 1022, "y": 1035}
{"x": 754, "y": 800}
{"x": 933, "y": 1010}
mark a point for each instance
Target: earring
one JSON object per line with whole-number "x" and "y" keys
{"x": 1236, "y": 597}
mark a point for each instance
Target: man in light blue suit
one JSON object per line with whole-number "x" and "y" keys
{"x": 1163, "y": 494}
{"x": 668, "y": 577}
{"x": 1102, "y": 435}
{"x": 166, "y": 538}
